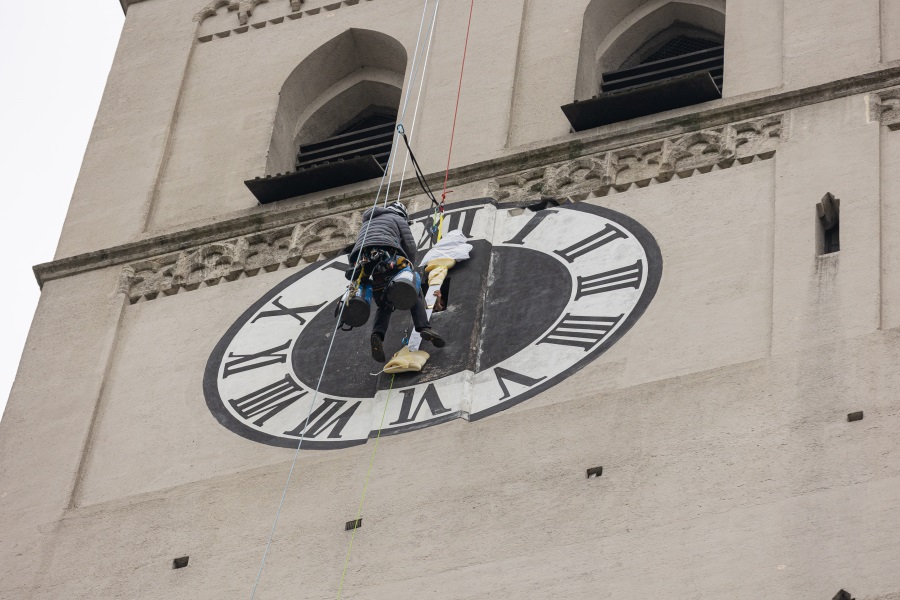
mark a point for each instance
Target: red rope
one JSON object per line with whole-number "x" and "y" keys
{"x": 456, "y": 110}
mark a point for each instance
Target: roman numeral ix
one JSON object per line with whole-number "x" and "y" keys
{"x": 589, "y": 244}
{"x": 284, "y": 311}
{"x": 581, "y": 332}
{"x": 617, "y": 279}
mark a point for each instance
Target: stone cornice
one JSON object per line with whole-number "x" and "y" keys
{"x": 261, "y": 219}
{"x": 614, "y": 171}
{"x": 126, "y": 3}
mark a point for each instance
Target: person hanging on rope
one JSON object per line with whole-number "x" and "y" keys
{"x": 389, "y": 254}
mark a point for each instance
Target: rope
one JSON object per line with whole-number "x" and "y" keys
{"x": 287, "y": 482}
{"x": 412, "y": 127}
{"x": 462, "y": 70}
{"x": 362, "y": 499}
{"x": 400, "y": 119}
{"x": 420, "y": 176}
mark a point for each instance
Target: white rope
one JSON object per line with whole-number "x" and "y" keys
{"x": 400, "y": 120}
{"x": 381, "y": 187}
{"x": 415, "y": 66}
{"x": 412, "y": 128}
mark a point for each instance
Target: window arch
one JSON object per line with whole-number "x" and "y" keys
{"x": 631, "y": 43}
{"x": 335, "y": 117}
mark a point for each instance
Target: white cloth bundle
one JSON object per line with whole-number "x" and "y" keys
{"x": 452, "y": 245}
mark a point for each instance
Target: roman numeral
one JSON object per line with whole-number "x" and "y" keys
{"x": 428, "y": 239}
{"x": 430, "y": 396}
{"x": 467, "y": 216}
{"x": 267, "y": 402}
{"x": 324, "y": 418}
{"x": 504, "y": 375}
{"x": 617, "y": 279}
{"x": 582, "y": 332}
{"x": 285, "y": 311}
{"x": 605, "y": 236}
{"x": 337, "y": 265}
{"x": 530, "y": 226}
{"x": 246, "y": 362}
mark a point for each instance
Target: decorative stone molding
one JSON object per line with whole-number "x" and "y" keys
{"x": 614, "y": 170}
{"x": 588, "y": 144}
{"x": 640, "y": 165}
{"x": 245, "y": 256}
{"x": 885, "y": 107}
{"x": 244, "y": 10}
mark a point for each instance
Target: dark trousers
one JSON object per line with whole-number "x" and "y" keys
{"x": 383, "y": 315}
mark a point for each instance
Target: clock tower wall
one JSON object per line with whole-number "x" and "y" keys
{"x": 718, "y": 414}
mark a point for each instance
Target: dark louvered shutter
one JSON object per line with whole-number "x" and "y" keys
{"x": 369, "y": 137}
{"x": 682, "y": 55}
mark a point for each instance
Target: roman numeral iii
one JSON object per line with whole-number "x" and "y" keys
{"x": 581, "y": 332}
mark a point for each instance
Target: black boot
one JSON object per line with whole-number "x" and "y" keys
{"x": 430, "y": 335}
{"x": 377, "y": 347}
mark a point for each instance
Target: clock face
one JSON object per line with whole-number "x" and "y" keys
{"x": 544, "y": 293}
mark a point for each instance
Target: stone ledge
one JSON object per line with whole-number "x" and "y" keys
{"x": 262, "y": 218}
{"x": 126, "y": 3}
{"x": 615, "y": 171}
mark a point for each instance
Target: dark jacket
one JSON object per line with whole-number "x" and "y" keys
{"x": 388, "y": 230}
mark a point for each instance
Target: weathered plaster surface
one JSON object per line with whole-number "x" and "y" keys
{"x": 730, "y": 470}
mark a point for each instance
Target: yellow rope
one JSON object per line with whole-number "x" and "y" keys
{"x": 365, "y": 487}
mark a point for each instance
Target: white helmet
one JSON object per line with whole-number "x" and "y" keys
{"x": 397, "y": 207}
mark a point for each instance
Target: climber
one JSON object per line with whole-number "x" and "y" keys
{"x": 390, "y": 253}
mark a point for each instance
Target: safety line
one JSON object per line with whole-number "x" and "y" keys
{"x": 412, "y": 127}
{"x": 402, "y": 117}
{"x": 462, "y": 70}
{"x": 330, "y": 347}
{"x": 362, "y": 499}
{"x": 420, "y": 176}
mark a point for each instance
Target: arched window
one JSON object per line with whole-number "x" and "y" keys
{"x": 336, "y": 115}
{"x": 660, "y": 56}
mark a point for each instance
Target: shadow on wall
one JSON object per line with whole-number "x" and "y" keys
{"x": 355, "y": 73}
{"x": 615, "y": 32}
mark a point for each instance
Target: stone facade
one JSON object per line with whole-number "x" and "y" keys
{"x": 730, "y": 468}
